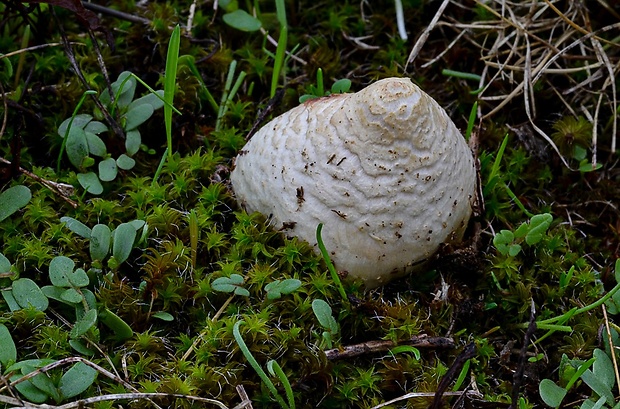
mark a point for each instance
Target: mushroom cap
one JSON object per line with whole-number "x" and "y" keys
{"x": 384, "y": 169}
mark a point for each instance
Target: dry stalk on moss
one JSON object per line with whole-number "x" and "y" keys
{"x": 543, "y": 45}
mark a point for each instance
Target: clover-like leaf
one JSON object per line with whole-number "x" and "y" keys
{"x": 59, "y": 270}
{"x": 79, "y": 278}
{"x": 522, "y": 230}
{"x": 514, "y": 249}
{"x": 13, "y": 199}
{"x": 232, "y": 284}
{"x": 276, "y": 288}
{"x": 538, "y": 227}
{"x": 502, "y": 240}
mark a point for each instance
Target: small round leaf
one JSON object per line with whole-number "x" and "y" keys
{"x": 95, "y": 127}
{"x": 84, "y": 324}
{"x": 8, "y": 352}
{"x": 107, "y": 170}
{"x": 79, "y": 121}
{"x": 125, "y": 162}
{"x": 76, "y": 380}
{"x": 164, "y": 316}
{"x": 137, "y": 116}
{"x": 124, "y": 236}
{"x": 95, "y": 145}
{"x": 76, "y": 226}
{"x": 551, "y": 393}
{"x": 100, "y": 242}
{"x": 150, "y": 99}
{"x": 13, "y": 199}
{"x": 30, "y": 392}
{"x": 5, "y": 264}
{"x": 133, "y": 140}
{"x": 241, "y": 20}
{"x": 27, "y": 293}
{"x": 60, "y": 269}
{"x": 71, "y": 296}
{"x": 90, "y": 182}
{"x": 77, "y": 146}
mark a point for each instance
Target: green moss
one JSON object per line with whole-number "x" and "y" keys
{"x": 483, "y": 297}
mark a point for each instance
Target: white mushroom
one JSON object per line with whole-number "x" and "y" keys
{"x": 385, "y": 170}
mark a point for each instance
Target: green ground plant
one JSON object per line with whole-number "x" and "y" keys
{"x": 81, "y": 132}
{"x": 161, "y": 287}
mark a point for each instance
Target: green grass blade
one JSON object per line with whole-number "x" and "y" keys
{"x": 229, "y": 79}
{"x": 279, "y": 61}
{"x": 330, "y": 265}
{"x": 471, "y": 120}
{"x": 281, "y": 13}
{"x": 255, "y": 365}
{"x": 460, "y": 74}
{"x": 170, "y": 79}
{"x": 159, "y": 167}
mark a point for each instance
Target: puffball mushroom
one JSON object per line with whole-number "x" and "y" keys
{"x": 384, "y": 169}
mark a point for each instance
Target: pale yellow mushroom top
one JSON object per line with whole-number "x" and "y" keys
{"x": 384, "y": 169}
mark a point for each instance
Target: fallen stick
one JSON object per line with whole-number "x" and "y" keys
{"x": 370, "y": 347}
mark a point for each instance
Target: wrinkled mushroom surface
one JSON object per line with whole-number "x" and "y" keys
{"x": 385, "y": 170}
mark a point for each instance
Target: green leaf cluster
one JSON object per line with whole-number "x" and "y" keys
{"x": 597, "y": 373}
{"x": 509, "y": 243}
{"x": 42, "y": 387}
{"x": 341, "y": 86}
{"x": 82, "y": 133}
{"x": 122, "y": 239}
